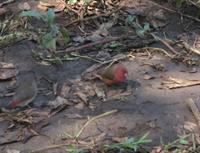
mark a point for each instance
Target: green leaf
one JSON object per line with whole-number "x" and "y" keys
{"x": 50, "y": 17}
{"x": 183, "y": 142}
{"x": 114, "y": 45}
{"x": 142, "y": 31}
{"x": 130, "y": 19}
{"x": 179, "y": 3}
{"x": 54, "y": 30}
{"x": 72, "y": 2}
{"x": 31, "y": 14}
{"x": 48, "y": 41}
{"x": 65, "y": 35}
{"x": 86, "y": 2}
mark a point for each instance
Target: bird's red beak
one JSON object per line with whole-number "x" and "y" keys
{"x": 126, "y": 75}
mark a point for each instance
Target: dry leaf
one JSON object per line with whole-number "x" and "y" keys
{"x": 173, "y": 83}
{"x": 64, "y": 90}
{"x": 79, "y": 106}
{"x": 83, "y": 97}
{"x": 4, "y": 65}
{"x": 7, "y": 71}
{"x": 148, "y": 77}
{"x": 191, "y": 127}
{"x": 118, "y": 94}
{"x": 57, "y": 6}
{"x": 24, "y": 6}
{"x": 101, "y": 32}
{"x": 59, "y": 101}
{"x": 42, "y": 7}
{"x": 60, "y": 6}
{"x": 100, "y": 93}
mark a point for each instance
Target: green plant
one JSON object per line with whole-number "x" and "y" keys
{"x": 179, "y": 3}
{"x": 133, "y": 22}
{"x": 72, "y": 2}
{"x": 49, "y": 38}
{"x": 131, "y": 143}
{"x": 74, "y": 149}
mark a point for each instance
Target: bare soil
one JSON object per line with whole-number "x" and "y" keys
{"x": 151, "y": 108}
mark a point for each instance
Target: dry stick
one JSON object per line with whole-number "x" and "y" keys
{"x": 6, "y": 2}
{"x": 190, "y": 48}
{"x": 77, "y": 135}
{"x": 93, "y": 119}
{"x": 164, "y": 42}
{"x": 48, "y": 147}
{"x": 191, "y": 104}
{"x": 174, "y": 11}
{"x": 95, "y": 67}
{"x": 94, "y": 17}
{"x": 104, "y": 41}
{"x": 158, "y": 49}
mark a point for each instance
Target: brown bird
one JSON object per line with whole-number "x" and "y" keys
{"x": 114, "y": 74}
{"x": 25, "y": 93}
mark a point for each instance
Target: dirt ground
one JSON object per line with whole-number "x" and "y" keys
{"x": 150, "y": 107}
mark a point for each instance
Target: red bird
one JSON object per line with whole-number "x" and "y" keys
{"x": 114, "y": 74}
{"x": 25, "y": 93}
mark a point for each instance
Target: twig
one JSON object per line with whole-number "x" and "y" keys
{"x": 104, "y": 41}
{"x": 174, "y": 83}
{"x": 6, "y": 2}
{"x": 48, "y": 147}
{"x": 77, "y": 135}
{"x": 191, "y": 104}
{"x": 95, "y": 67}
{"x": 174, "y": 11}
{"x": 86, "y": 57}
{"x": 93, "y": 119}
{"x": 94, "y": 17}
{"x": 159, "y": 49}
{"x": 190, "y": 48}
{"x": 164, "y": 42}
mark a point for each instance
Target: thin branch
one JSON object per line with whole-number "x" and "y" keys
{"x": 191, "y": 104}
{"x": 89, "y": 45}
{"x": 93, "y": 119}
{"x": 94, "y": 17}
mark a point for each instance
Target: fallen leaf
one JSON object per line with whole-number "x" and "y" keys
{"x": 60, "y": 6}
{"x": 59, "y": 101}
{"x": 79, "y": 106}
{"x": 65, "y": 90}
{"x": 83, "y": 97}
{"x": 191, "y": 127}
{"x": 100, "y": 93}
{"x": 118, "y": 94}
{"x": 148, "y": 77}
{"x": 7, "y": 71}
{"x": 174, "y": 83}
{"x": 24, "y": 6}
{"x": 4, "y": 65}
{"x": 101, "y": 32}
{"x": 42, "y": 7}
{"x": 57, "y": 6}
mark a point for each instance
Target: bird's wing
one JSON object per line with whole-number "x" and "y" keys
{"x": 108, "y": 74}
